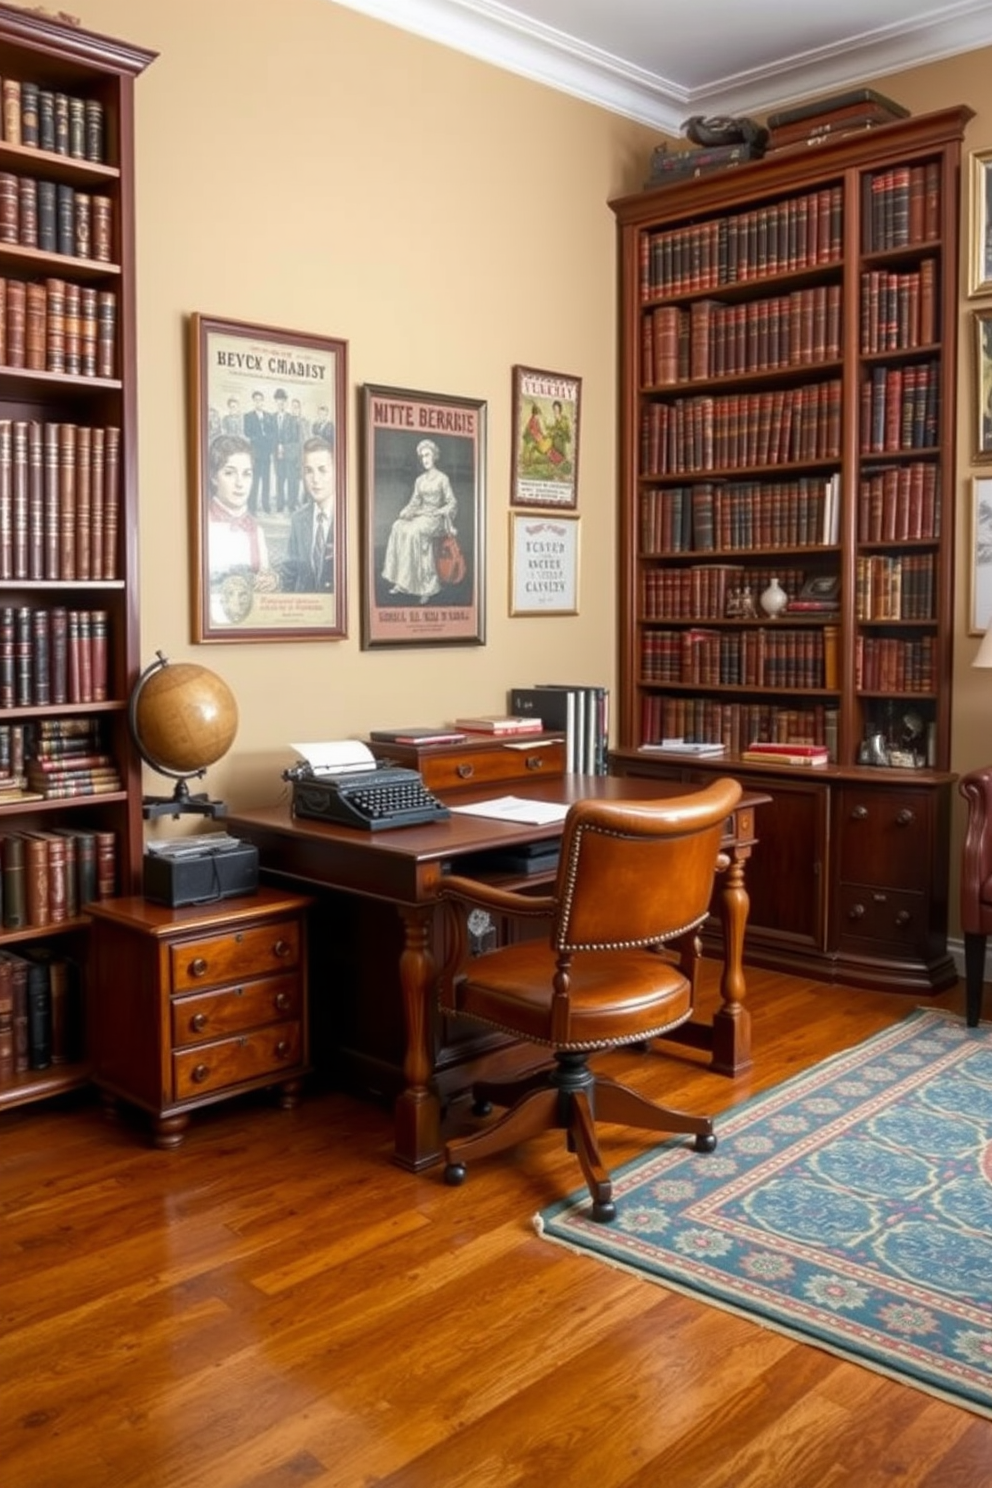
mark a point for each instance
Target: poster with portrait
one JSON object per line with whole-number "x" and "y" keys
{"x": 545, "y": 468}
{"x": 423, "y": 519}
{"x": 268, "y": 483}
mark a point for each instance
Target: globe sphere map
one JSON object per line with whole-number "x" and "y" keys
{"x": 185, "y": 718}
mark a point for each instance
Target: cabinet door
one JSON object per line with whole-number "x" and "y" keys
{"x": 786, "y": 877}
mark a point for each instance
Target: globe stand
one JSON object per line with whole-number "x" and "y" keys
{"x": 182, "y": 718}
{"x": 181, "y": 803}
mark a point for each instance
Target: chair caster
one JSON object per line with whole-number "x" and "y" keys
{"x": 482, "y": 1108}
{"x": 603, "y": 1213}
{"x": 454, "y": 1174}
{"x": 705, "y": 1142}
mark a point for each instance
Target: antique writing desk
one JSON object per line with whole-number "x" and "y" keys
{"x": 404, "y": 867}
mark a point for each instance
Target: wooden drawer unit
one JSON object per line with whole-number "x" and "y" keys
{"x": 188, "y": 1006}
{"x": 445, "y": 767}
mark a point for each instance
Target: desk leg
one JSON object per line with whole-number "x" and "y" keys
{"x": 417, "y": 1111}
{"x": 732, "y": 1022}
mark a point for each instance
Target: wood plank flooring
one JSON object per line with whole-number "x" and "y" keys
{"x": 276, "y": 1304}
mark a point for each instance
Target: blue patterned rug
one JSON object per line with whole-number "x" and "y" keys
{"x": 850, "y": 1208}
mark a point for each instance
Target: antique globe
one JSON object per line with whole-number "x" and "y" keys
{"x": 183, "y": 718}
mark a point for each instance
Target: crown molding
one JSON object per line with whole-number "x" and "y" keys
{"x": 505, "y": 38}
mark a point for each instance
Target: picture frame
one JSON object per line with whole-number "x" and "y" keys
{"x": 423, "y": 518}
{"x": 544, "y": 563}
{"x": 546, "y": 428}
{"x": 982, "y": 320}
{"x": 980, "y": 224}
{"x": 980, "y": 570}
{"x": 268, "y": 437}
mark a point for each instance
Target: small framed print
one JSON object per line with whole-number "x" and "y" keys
{"x": 981, "y": 555}
{"x": 980, "y": 224}
{"x": 545, "y": 438}
{"x": 983, "y": 384}
{"x": 268, "y": 483}
{"x": 423, "y": 519}
{"x": 544, "y": 564}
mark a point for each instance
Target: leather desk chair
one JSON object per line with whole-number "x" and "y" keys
{"x": 976, "y": 885}
{"x": 618, "y": 967}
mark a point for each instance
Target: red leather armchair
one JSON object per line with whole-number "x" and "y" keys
{"x": 976, "y": 884}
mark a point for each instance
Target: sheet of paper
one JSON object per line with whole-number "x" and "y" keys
{"x": 517, "y": 809}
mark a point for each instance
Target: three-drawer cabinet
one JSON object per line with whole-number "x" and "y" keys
{"x": 192, "y": 1005}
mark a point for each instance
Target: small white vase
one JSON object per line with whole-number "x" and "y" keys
{"x": 774, "y": 599}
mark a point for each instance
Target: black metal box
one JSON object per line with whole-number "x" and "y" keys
{"x": 202, "y": 877}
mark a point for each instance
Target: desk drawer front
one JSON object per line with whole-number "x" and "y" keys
{"x": 489, "y": 766}
{"x": 891, "y": 917}
{"x": 233, "y": 1061}
{"x": 213, "y": 1015}
{"x": 237, "y": 953}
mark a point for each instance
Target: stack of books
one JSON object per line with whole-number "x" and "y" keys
{"x": 764, "y": 753}
{"x": 809, "y": 124}
{"x": 500, "y": 724}
{"x": 418, "y": 735}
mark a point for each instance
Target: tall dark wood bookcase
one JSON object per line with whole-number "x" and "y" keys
{"x": 788, "y": 410}
{"x": 67, "y": 383}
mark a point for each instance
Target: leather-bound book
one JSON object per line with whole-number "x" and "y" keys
{"x": 51, "y": 537}
{"x": 73, "y": 329}
{"x": 67, "y": 501}
{"x": 58, "y": 624}
{"x": 19, "y": 497}
{"x": 19, "y": 983}
{"x": 86, "y": 885}
{"x": 36, "y": 500}
{"x": 111, "y": 501}
{"x": 84, "y": 474}
{"x": 46, "y": 119}
{"x": 12, "y": 878}
{"x": 6, "y": 1023}
{"x": 27, "y": 194}
{"x": 106, "y": 864}
{"x": 39, "y": 1014}
{"x": 36, "y": 881}
{"x": 97, "y": 477}
{"x": 17, "y": 309}
{"x": 29, "y": 114}
{"x": 106, "y": 333}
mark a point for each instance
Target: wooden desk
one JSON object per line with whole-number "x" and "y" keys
{"x": 405, "y": 867}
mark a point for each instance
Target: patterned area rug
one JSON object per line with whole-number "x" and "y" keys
{"x": 850, "y": 1208}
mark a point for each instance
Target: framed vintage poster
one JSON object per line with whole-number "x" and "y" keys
{"x": 268, "y": 482}
{"x": 544, "y": 564}
{"x": 423, "y": 519}
{"x": 983, "y": 384}
{"x": 980, "y": 224}
{"x": 545, "y": 438}
{"x": 980, "y": 616}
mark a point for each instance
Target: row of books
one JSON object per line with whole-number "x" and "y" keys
{"x": 899, "y": 503}
{"x": 41, "y": 1020}
{"x": 704, "y": 591}
{"x": 55, "y": 218}
{"x": 900, "y": 206}
{"x": 59, "y": 500}
{"x": 48, "y": 119}
{"x": 888, "y": 664}
{"x": 51, "y": 656}
{"x": 764, "y": 657}
{"x": 736, "y": 431}
{"x": 712, "y": 339}
{"x": 55, "y": 325}
{"x": 802, "y": 232}
{"x": 899, "y": 310}
{"x": 48, "y": 877}
{"x": 736, "y": 725}
{"x": 900, "y": 408}
{"x": 581, "y": 713}
{"x": 895, "y": 587}
{"x": 711, "y": 516}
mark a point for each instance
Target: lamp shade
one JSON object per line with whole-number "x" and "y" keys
{"x": 983, "y": 657}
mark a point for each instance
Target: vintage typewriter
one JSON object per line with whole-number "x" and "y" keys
{"x": 341, "y": 782}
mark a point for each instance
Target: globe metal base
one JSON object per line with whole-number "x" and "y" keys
{"x": 181, "y": 803}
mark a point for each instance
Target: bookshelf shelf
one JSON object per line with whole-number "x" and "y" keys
{"x": 69, "y": 645}
{"x": 788, "y": 372}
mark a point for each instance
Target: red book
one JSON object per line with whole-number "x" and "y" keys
{"x": 493, "y": 723}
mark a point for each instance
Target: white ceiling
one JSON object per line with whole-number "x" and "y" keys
{"x": 659, "y": 61}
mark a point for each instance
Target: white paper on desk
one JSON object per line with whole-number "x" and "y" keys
{"x": 517, "y": 809}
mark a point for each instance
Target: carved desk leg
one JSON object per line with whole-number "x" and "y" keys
{"x": 418, "y": 1112}
{"x": 732, "y": 1021}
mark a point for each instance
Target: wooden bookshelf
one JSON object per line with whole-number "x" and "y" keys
{"x": 68, "y": 500}
{"x": 788, "y": 411}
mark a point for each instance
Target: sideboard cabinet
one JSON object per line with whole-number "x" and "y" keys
{"x": 788, "y": 425}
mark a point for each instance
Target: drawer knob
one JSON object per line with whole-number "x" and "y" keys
{"x": 200, "y": 1073}
{"x": 856, "y": 912}
{"x": 283, "y": 1002}
{"x": 905, "y": 817}
{"x": 534, "y": 762}
{"x": 282, "y": 1049}
{"x": 903, "y": 917}
{"x": 465, "y": 771}
{"x": 198, "y": 1022}
{"x": 198, "y": 967}
{"x": 859, "y": 813}
{"x": 282, "y": 949}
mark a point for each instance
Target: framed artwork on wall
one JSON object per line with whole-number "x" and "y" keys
{"x": 980, "y": 616}
{"x": 267, "y": 442}
{"x": 545, "y": 438}
{"x": 980, "y": 224}
{"x": 423, "y": 510}
{"x": 983, "y": 384}
{"x": 544, "y": 563}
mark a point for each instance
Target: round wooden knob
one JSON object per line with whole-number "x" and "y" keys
{"x": 534, "y": 762}
{"x": 859, "y": 813}
{"x": 281, "y": 949}
{"x": 856, "y": 912}
{"x": 198, "y": 967}
{"x": 282, "y": 1049}
{"x": 198, "y": 1022}
{"x": 905, "y": 817}
{"x": 903, "y": 917}
{"x": 283, "y": 1002}
{"x": 464, "y": 771}
{"x": 200, "y": 1073}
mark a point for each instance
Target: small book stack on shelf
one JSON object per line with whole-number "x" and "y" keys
{"x": 500, "y": 723}
{"x": 761, "y": 752}
{"x": 809, "y": 124}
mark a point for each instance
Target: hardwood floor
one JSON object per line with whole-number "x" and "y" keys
{"x": 276, "y": 1304}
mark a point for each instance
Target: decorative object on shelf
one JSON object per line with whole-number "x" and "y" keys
{"x": 182, "y": 718}
{"x": 544, "y": 560}
{"x": 809, "y": 124}
{"x": 424, "y": 495}
{"x": 721, "y": 129}
{"x": 545, "y": 438}
{"x": 671, "y": 166}
{"x": 980, "y": 224}
{"x": 774, "y": 599}
{"x": 269, "y": 549}
{"x": 981, "y": 555}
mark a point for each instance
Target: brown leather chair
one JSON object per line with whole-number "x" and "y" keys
{"x": 976, "y": 885}
{"x": 633, "y": 886}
